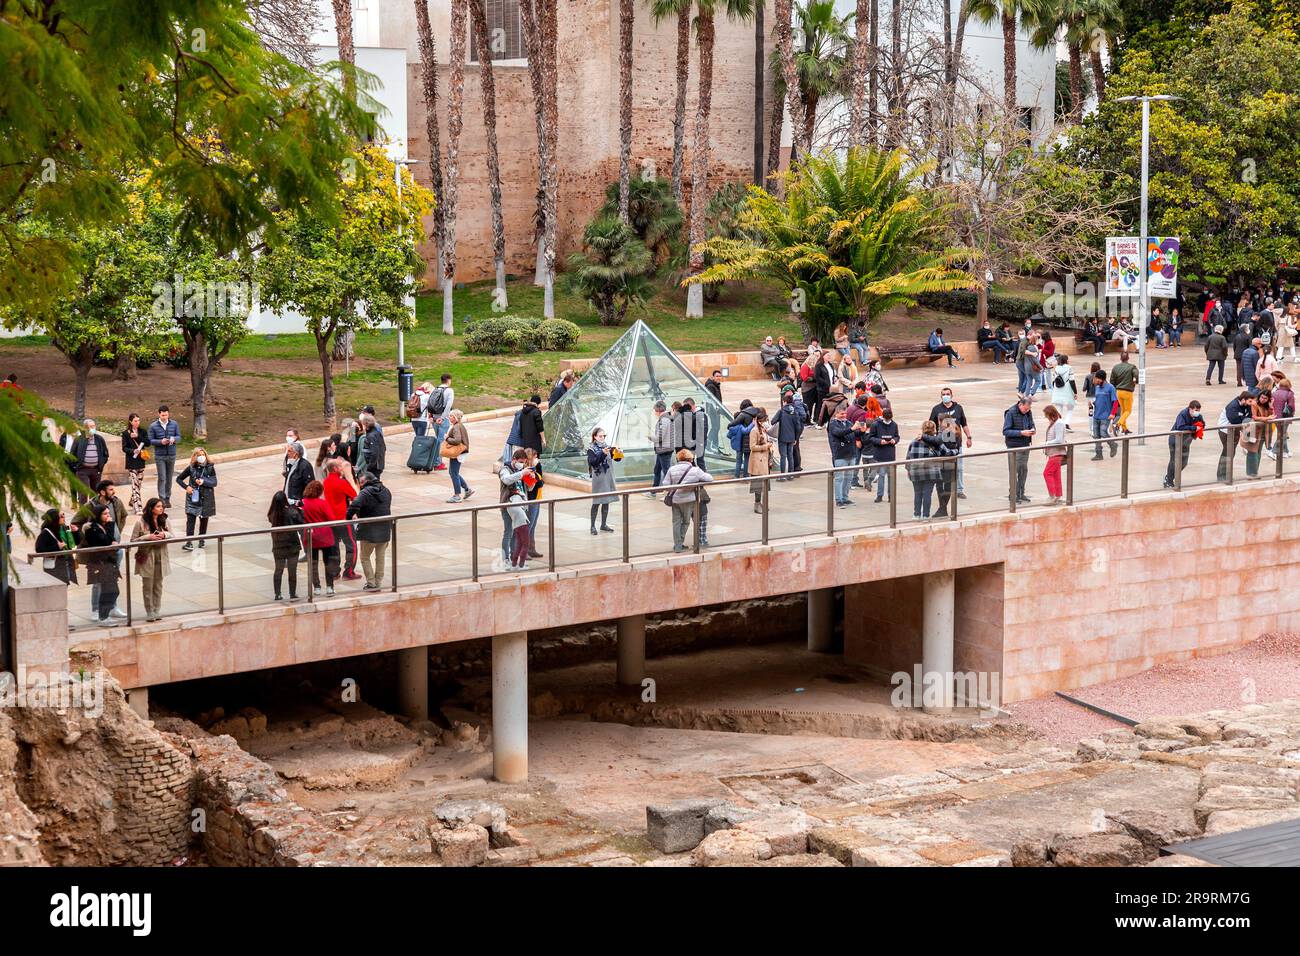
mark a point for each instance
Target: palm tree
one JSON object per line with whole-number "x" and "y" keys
{"x": 488, "y": 83}
{"x": 533, "y": 50}
{"x": 347, "y": 48}
{"x": 626, "y": 19}
{"x": 455, "y": 122}
{"x": 854, "y": 233}
{"x": 429, "y": 82}
{"x": 1050, "y": 19}
{"x": 612, "y": 272}
{"x": 1008, "y": 13}
{"x": 1102, "y": 22}
{"x": 759, "y": 80}
{"x": 704, "y": 36}
{"x": 819, "y": 61}
{"x": 540, "y": 36}
{"x": 681, "y": 11}
{"x": 789, "y": 76}
{"x": 861, "y": 70}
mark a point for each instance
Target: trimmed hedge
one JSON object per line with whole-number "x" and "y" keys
{"x": 1002, "y": 308}
{"x": 513, "y": 335}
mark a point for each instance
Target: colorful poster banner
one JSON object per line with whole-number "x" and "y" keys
{"x": 1162, "y": 267}
{"x": 1123, "y": 265}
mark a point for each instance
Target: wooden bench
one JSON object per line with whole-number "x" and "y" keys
{"x": 905, "y": 352}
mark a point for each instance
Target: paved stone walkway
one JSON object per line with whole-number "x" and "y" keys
{"x": 437, "y": 548}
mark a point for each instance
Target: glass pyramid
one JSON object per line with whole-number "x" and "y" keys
{"x": 618, "y": 394}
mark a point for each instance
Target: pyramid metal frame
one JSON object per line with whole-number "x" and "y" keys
{"x": 568, "y": 429}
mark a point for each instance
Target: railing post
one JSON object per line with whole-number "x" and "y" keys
{"x": 1011, "y": 477}
{"x": 627, "y": 501}
{"x": 1232, "y": 451}
{"x": 129, "y": 560}
{"x": 311, "y": 568}
{"x": 473, "y": 546}
{"x": 887, "y": 473}
{"x": 1180, "y": 439}
{"x": 1123, "y": 468}
{"x": 221, "y": 577}
{"x": 1069, "y": 474}
{"x": 767, "y": 496}
{"x": 1279, "y": 444}
{"x": 952, "y": 493}
{"x": 392, "y": 547}
{"x": 699, "y": 505}
{"x": 830, "y": 502}
{"x": 550, "y": 535}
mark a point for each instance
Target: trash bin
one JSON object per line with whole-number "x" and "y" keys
{"x": 405, "y": 383}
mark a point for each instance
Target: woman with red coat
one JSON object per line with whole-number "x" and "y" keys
{"x": 339, "y": 492}
{"x": 323, "y": 542}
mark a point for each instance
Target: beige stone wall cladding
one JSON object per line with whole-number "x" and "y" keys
{"x": 588, "y": 134}
{"x": 1089, "y": 593}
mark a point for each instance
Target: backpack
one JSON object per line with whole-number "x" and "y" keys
{"x": 438, "y": 401}
{"x": 413, "y": 405}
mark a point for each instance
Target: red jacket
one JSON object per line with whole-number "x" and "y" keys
{"x": 314, "y": 510}
{"x": 337, "y": 495}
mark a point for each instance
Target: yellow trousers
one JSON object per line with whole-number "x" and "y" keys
{"x": 1125, "y": 407}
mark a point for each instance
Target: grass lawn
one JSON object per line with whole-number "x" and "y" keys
{"x": 270, "y": 382}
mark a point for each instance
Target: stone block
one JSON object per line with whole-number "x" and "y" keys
{"x": 887, "y": 856}
{"x": 510, "y": 856}
{"x": 1155, "y": 827}
{"x": 481, "y": 813}
{"x": 1229, "y": 821}
{"x": 839, "y": 842}
{"x": 786, "y": 831}
{"x": 725, "y": 816}
{"x": 731, "y": 848}
{"x": 1030, "y": 853}
{"x": 1242, "y": 798}
{"x": 466, "y": 845}
{"x": 678, "y": 826}
{"x": 1099, "y": 849}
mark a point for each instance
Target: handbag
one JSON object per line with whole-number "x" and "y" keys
{"x": 668, "y": 498}
{"x": 451, "y": 451}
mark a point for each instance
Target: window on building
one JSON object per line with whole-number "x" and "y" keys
{"x": 505, "y": 32}
{"x": 1028, "y": 117}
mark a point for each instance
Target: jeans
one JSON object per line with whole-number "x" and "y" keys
{"x": 742, "y": 458}
{"x": 789, "y": 456}
{"x": 372, "y": 561}
{"x": 922, "y": 489}
{"x": 108, "y": 591}
{"x": 1022, "y": 473}
{"x": 507, "y": 535}
{"x": 330, "y": 558}
{"x": 1101, "y": 429}
{"x": 189, "y": 525}
{"x": 1227, "y": 450}
{"x": 1169, "y": 472}
{"x": 440, "y": 430}
{"x": 166, "y": 475}
{"x": 418, "y": 425}
{"x": 885, "y": 478}
{"x": 1028, "y": 380}
{"x": 458, "y": 484}
{"x": 947, "y": 350}
{"x": 291, "y": 565}
{"x": 663, "y": 461}
{"x": 1209, "y": 369}
{"x": 843, "y": 479}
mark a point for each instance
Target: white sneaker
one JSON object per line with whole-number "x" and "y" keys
{"x": 118, "y": 613}
{"x": 108, "y": 622}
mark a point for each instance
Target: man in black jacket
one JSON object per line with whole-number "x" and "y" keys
{"x": 298, "y": 474}
{"x": 1018, "y": 432}
{"x": 89, "y": 457}
{"x": 375, "y": 446}
{"x": 1235, "y": 412}
{"x": 714, "y": 386}
{"x": 373, "y": 501}
{"x": 531, "y": 433}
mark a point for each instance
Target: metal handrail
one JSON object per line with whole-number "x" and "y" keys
{"x": 887, "y": 471}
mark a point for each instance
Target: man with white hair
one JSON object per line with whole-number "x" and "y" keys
{"x": 372, "y": 441}
{"x": 298, "y": 472}
{"x": 1216, "y": 353}
{"x": 90, "y": 455}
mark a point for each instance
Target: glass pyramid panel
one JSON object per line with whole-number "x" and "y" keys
{"x": 618, "y": 394}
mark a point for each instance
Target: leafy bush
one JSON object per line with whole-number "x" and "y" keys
{"x": 653, "y": 215}
{"x": 513, "y": 335}
{"x": 612, "y": 271}
{"x": 1002, "y": 308}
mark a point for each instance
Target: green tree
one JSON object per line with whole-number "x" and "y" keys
{"x": 653, "y": 215}
{"x": 353, "y": 276}
{"x": 852, "y": 238}
{"x": 821, "y": 52}
{"x": 612, "y": 271}
{"x": 93, "y": 88}
{"x": 33, "y": 468}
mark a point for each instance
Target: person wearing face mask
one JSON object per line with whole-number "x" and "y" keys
{"x": 600, "y": 466}
{"x": 105, "y": 494}
{"x": 101, "y": 568}
{"x": 1190, "y": 422}
{"x": 199, "y": 481}
{"x": 298, "y": 473}
{"x": 950, "y": 420}
{"x": 883, "y": 438}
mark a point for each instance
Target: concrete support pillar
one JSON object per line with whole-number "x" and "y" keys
{"x": 138, "y": 700}
{"x": 631, "y": 650}
{"x": 510, "y": 707}
{"x": 413, "y": 683}
{"x": 937, "y": 637}
{"x": 821, "y": 631}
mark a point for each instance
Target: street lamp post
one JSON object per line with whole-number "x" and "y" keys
{"x": 1144, "y": 307}
{"x": 401, "y": 335}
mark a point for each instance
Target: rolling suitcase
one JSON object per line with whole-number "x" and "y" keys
{"x": 423, "y": 449}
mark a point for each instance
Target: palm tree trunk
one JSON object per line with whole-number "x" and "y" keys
{"x": 532, "y": 44}
{"x": 774, "y": 124}
{"x": 894, "y": 126}
{"x": 347, "y": 49}
{"x": 488, "y": 83}
{"x": 1009, "y": 71}
{"x": 785, "y": 44}
{"x": 858, "y": 73}
{"x": 809, "y": 119}
{"x": 1098, "y": 73}
{"x": 1076, "y": 82}
{"x": 429, "y": 83}
{"x": 758, "y": 92}
{"x": 873, "y": 73}
{"x": 626, "y": 16}
{"x": 455, "y": 122}
{"x": 679, "y": 106}
{"x": 548, "y": 21}
{"x": 700, "y": 159}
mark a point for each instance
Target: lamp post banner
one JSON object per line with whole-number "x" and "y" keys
{"x": 1162, "y": 267}
{"x": 1123, "y": 265}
